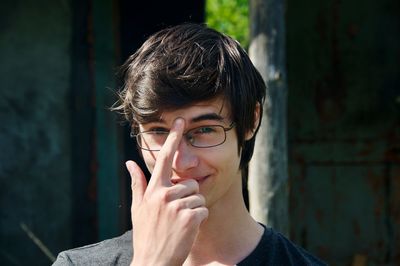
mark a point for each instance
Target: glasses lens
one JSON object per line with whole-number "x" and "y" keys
{"x": 206, "y": 136}
{"x": 152, "y": 140}
{"x": 200, "y": 137}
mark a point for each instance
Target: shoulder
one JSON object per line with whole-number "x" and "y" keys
{"x": 291, "y": 252}
{"x": 275, "y": 249}
{"x": 115, "y": 251}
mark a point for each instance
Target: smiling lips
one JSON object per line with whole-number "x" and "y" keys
{"x": 198, "y": 179}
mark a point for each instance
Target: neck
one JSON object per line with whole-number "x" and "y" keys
{"x": 229, "y": 234}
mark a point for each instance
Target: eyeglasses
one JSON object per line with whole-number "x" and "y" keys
{"x": 199, "y": 137}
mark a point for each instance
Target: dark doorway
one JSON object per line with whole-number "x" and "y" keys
{"x": 138, "y": 20}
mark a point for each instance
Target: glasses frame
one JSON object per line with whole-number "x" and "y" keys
{"x": 137, "y": 136}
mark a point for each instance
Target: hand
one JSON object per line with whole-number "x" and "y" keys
{"x": 166, "y": 217}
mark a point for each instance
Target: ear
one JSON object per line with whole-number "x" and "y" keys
{"x": 251, "y": 132}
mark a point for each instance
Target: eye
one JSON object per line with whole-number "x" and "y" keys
{"x": 204, "y": 130}
{"x": 156, "y": 130}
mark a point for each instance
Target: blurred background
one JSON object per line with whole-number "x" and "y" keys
{"x": 62, "y": 152}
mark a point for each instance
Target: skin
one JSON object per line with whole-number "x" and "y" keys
{"x": 192, "y": 211}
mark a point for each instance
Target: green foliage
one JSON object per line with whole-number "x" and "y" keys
{"x": 230, "y": 17}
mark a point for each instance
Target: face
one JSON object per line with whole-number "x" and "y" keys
{"x": 215, "y": 168}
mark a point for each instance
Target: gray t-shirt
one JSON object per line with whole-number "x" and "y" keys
{"x": 273, "y": 249}
{"x": 115, "y": 251}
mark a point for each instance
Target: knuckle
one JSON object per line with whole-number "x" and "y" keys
{"x": 167, "y": 195}
{"x": 196, "y": 186}
{"x": 188, "y": 217}
{"x": 176, "y": 206}
{"x": 202, "y": 199}
{"x": 171, "y": 140}
{"x": 158, "y": 196}
{"x": 169, "y": 145}
{"x": 191, "y": 184}
{"x": 194, "y": 216}
{"x": 202, "y": 214}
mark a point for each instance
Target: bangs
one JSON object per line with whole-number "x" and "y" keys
{"x": 166, "y": 94}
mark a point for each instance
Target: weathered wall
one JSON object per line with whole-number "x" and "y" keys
{"x": 344, "y": 134}
{"x": 34, "y": 129}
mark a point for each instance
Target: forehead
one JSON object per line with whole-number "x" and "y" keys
{"x": 214, "y": 109}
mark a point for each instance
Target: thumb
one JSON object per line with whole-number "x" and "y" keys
{"x": 138, "y": 183}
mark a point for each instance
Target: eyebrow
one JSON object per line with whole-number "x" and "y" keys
{"x": 203, "y": 117}
{"x": 209, "y": 116}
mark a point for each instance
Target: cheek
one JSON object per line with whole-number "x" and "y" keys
{"x": 149, "y": 159}
{"x": 226, "y": 158}
{"x": 232, "y": 151}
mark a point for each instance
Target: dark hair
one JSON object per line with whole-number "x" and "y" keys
{"x": 189, "y": 63}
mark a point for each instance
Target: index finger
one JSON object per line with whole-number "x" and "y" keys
{"x": 163, "y": 166}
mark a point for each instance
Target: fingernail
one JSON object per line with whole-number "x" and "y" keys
{"x": 178, "y": 122}
{"x": 129, "y": 167}
{"x": 127, "y": 164}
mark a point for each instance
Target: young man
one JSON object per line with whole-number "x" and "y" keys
{"x": 194, "y": 100}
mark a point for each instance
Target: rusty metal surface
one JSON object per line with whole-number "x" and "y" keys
{"x": 344, "y": 130}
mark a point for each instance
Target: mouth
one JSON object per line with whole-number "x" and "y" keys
{"x": 199, "y": 179}
{"x": 202, "y": 179}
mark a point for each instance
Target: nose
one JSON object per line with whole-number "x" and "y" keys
{"x": 185, "y": 157}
